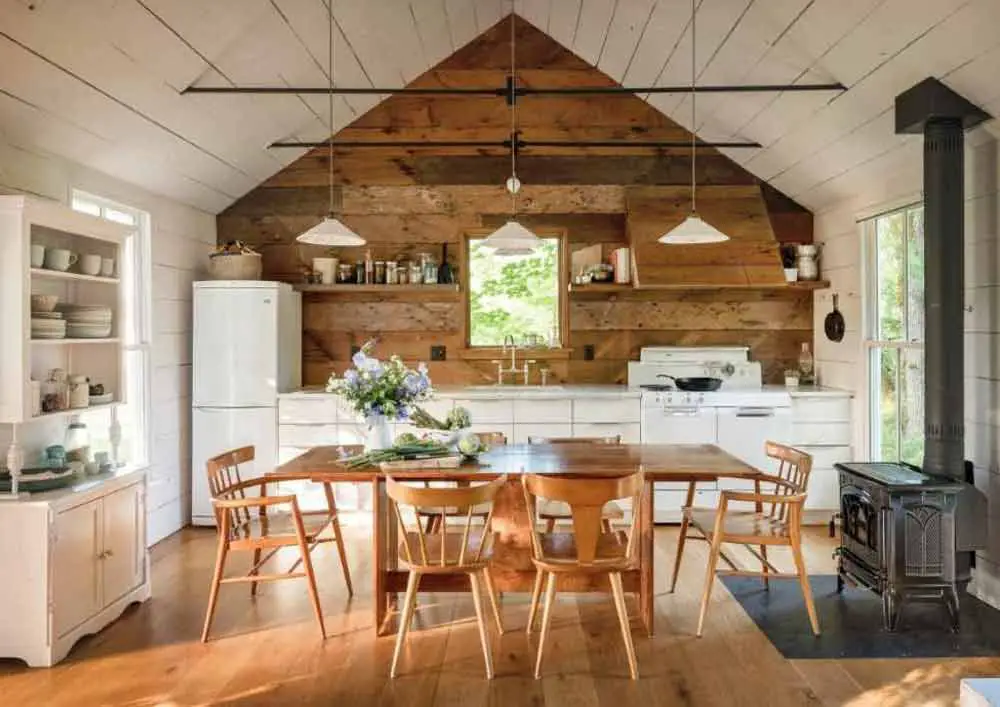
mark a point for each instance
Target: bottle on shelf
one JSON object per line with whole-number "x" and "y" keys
{"x": 806, "y": 363}
{"x": 369, "y": 268}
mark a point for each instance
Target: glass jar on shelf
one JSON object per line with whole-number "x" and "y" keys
{"x": 55, "y": 391}
{"x": 429, "y": 268}
{"x": 416, "y": 273}
{"x": 77, "y": 442}
{"x": 79, "y": 391}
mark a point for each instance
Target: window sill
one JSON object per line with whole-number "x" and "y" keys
{"x": 495, "y": 353}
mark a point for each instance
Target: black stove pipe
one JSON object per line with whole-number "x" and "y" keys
{"x": 944, "y": 291}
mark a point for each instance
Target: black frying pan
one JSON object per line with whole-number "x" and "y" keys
{"x": 697, "y": 384}
{"x": 834, "y": 325}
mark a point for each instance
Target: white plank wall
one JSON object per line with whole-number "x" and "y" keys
{"x": 181, "y": 238}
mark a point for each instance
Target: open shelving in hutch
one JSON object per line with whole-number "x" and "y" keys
{"x": 27, "y": 221}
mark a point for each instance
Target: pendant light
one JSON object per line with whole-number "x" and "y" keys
{"x": 512, "y": 238}
{"x": 331, "y": 231}
{"x": 693, "y": 229}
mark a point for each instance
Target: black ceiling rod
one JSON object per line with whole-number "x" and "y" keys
{"x": 506, "y": 144}
{"x": 510, "y": 92}
{"x": 616, "y": 90}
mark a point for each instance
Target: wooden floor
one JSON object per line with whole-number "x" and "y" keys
{"x": 268, "y": 652}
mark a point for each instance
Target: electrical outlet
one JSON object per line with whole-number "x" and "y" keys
{"x": 439, "y": 353}
{"x": 588, "y": 352}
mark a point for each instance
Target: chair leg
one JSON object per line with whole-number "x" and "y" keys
{"x": 764, "y": 569}
{"x": 550, "y": 525}
{"x": 619, "y": 596}
{"x": 213, "y": 592}
{"x": 680, "y": 551}
{"x": 713, "y": 561}
{"x": 307, "y": 565}
{"x": 342, "y": 551}
{"x": 255, "y": 570}
{"x": 550, "y": 595}
{"x": 429, "y": 524}
{"x": 409, "y": 604}
{"x": 536, "y": 596}
{"x": 606, "y": 525}
{"x": 494, "y": 599}
{"x": 800, "y": 568}
{"x": 484, "y": 636}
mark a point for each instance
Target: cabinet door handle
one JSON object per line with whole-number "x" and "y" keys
{"x": 108, "y": 553}
{"x": 755, "y": 412}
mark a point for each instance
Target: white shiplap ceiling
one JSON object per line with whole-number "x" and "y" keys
{"x": 99, "y": 81}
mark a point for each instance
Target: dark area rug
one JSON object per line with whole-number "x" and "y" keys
{"x": 851, "y": 623}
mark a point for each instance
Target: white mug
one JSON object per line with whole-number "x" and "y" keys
{"x": 90, "y": 264}
{"x": 107, "y": 267}
{"x": 37, "y": 255}
{"x": 59, "y": 259}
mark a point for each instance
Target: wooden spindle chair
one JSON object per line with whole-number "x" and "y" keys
{"x": 277, "y": 523}
{"x": 446, "y": 552}
{"x": 776, "y": 520}
{"x": 588, "y": 548}
{"x": 554, "y": 511}
{"x": 432, "y": 517}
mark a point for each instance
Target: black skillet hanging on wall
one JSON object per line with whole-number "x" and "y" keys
{"x": 834, "y": 323}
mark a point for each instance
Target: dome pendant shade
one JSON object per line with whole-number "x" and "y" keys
{"x": 693, "y": 230}
{"x": 512, "y": 239}
{"x": 330, "y": 232}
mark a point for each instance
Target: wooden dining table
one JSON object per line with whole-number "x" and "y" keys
{"x": 511, "y": 565}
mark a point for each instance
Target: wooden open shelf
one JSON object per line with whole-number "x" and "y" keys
{"x": 612, "y": 289}
{"x": 437, "y": 290}
{"x": 69, "y": 412}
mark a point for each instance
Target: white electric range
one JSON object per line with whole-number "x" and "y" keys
{"x": 739, "y": 417}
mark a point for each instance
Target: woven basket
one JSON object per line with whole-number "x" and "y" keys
{"x": 235, "y": 267}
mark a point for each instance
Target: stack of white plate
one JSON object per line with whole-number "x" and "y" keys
{"x": 87, "y": 321}
{"x": 48, "y": 325}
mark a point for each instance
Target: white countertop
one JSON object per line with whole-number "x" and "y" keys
{"x": 488, "y": 392}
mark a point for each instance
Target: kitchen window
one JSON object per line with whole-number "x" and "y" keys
{"x": 515, "y": 296}
{"x": 894, "y": 266}
{"x": 135, "y": 273}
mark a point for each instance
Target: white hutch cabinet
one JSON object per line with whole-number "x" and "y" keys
{"x": 74, "y": 557}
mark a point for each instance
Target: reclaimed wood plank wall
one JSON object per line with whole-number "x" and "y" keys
{"x": 405, "y": 201}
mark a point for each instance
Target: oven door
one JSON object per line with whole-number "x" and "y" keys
{"x": 743, "y": 432}
{"x": 679, "y": 425}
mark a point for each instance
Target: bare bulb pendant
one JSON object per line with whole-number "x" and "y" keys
{"x": 513, "y": 184}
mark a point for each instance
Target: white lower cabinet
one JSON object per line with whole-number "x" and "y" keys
{"x": 74, "y": 561}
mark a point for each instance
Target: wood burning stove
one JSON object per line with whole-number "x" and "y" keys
{"x": 898, "y": 535}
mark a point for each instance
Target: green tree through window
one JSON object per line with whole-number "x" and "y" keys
{"x": 513, "y": 295}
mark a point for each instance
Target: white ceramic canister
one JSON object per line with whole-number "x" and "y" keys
{"x": 79, "y": 391}
{"x": 327, "y": 269}
{"x": 807, "y": 255}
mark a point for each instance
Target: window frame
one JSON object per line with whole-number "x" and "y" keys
{"x": 562, "y": 307}
{"x": 873, "y": 346}
{"x": 140, "y": 340}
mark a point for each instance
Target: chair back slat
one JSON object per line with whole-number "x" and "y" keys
{"x": 223, "y": 474}
{"x": 610, "y": 439}
{"x": 444, "y": 500}
{"x": 586, "y": 499}
{"x": 794, "y": 467}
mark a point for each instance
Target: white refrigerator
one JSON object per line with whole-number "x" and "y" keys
{"x": 247, "y": 348}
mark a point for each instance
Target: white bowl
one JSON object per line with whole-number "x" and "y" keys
{"x": 44, "y": 303}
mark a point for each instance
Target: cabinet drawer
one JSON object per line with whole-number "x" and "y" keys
{"x": 306, "y": 435}
{"x": 489, "y": 411}
{"x": 821, "y": 434}
{"x": 315, "y": 410}
{"x": 629, "y": 431}
{"x": 523, "y": 432}
{"x": 606, "y": 410}
{"x": 822, "y": 409}
{"x": 560, "y": 411}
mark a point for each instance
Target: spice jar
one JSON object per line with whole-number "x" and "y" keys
{"x": 79, "y": 391}
{"x": 345, "y": 273}
{"x": 379, "y": 272}
{"x": 416, "y": 273}
{"x": 429, "y": 267}
{"x": 403, "y": 273}
{"x": 391, "y": 272}
{"x": 359, "y": 272}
